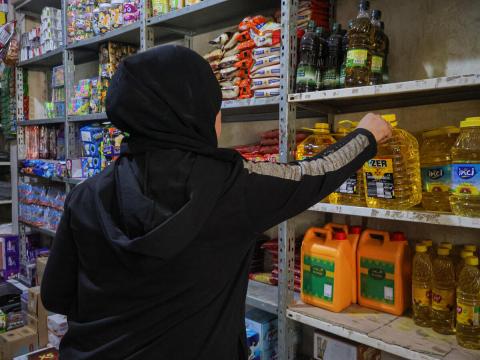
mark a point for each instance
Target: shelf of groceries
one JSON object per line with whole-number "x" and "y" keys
{"x": 397, "y": 335}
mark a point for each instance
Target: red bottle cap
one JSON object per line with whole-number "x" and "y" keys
{"x": 340, "y": 235}
{"x": 398, "y": 236}
{"x": 356, "y": 230}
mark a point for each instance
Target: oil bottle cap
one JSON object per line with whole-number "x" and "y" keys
{"x": 340, "y": 235}
{"x": 446, "y": 245}
{"x": 421, "y": 248}
{"x": 357, "y": 230}
{"x": 323, "y": 128}
{"x": 446, "y": 130}
{"x": 470, "y": 122}
{"x": 472, "y": 261}
{"x": 470, "y": 247}
{"x": 391, "y": 118}
{"x": 427, "y": 243}
{"x": 443, "y": 251}
{"x": 398, "y": 236}
{"x": 465, "y": 254}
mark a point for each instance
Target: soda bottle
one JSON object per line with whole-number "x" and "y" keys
{"x": 360, "y": 36}
{"x": 461, "y": 263}
{"x": 352, "y": 191}
{"x": 307, "y": 67}
{"x": 378, "y": 49}
{"x": 332, "y": 74}
{"x": 392, "y": 177}
{"x": 322, "y": 55}
{"x": 422, "y": 286}
{"x": 436, "y": 167}
{"x": 443, "y": 293}
{"x": 344, "y": 55}
{"x": 465, "y": 198}
{"x": 468, "y": 305}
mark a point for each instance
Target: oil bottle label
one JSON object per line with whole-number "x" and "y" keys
{"x": 379, "y": 178}
{"x": 377, "y": 64}
{"x": 422, "y": 296}
{"x": 468, "y": 314}
{"x": 377, "y": 280}
{"x": 466, "y": 179}
{"x": 330, "y": 79}
{"x": 436, "y": 178}
{"x": 318, "y": 277}
{"x": 341, "y": 79}
{"x": 357, "y": 58}
{"x": 307, "y": 76}
{"x": 443, "y": 300}
{"x": 349, "y": 186}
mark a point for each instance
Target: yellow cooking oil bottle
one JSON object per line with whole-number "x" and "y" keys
{"x": 384, "y": 272}
{"x": 436, "y": 167}
{"x": 443, "y": 293}
{"x": 468, "y": 305}
{"x": 352, "y": 191}
{"x": 461, "y": 263}
{"x": 465, "y": 197}
{"x": 392, "y": 177}
{"x": 326, "y": 269}
{"x": 422, "y": 286}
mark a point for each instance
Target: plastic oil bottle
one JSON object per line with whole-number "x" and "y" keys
{"x": 315, "y": 143}
{"x": 322, "y": 54}
{"x": 392, "y": 177}
{"x": 360, "y": 36}
{"x": 443, "y": 293}
{"x": 378, "y": 49}
{"x": 461, "y": 263}
{"x": 383, "y": 272}
{"x": 352, "y": 191}
{"x": 422, "y": 286}
{"x": 430, "y": 248}
{"x": 307, "y": 67}
{"x": 326, "y": 269}
{"x": 344, "y": 55}
{"x": 468, "y": 305}
{"x": 465, "y": 198}
{"x": 332, "y": 73}
{"x": 436, "y": 167}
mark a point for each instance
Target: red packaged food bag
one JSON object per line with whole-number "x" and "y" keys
{"x": 246, "y": 45}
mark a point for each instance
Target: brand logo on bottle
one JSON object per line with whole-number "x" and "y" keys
{"x": 378, "y": 163}
{"x": 377, "y": 274}
{"x": 318, "y": 270}
{"x": 466, "y": 172}
{"x": 435, "y": 174}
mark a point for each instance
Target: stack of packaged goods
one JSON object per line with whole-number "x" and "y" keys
{"x": 88, "y": 18}
{"x": 316, "y": 10}
{"x": 44, "y": 38}
{"x": 8, "y": 113}
{"x": 11, "y": 316}
{"x": 10, "y": 264}
{"x": 268, "y": 148}
{"x": 262, "y": 335}
{"x": 44, "y": 142}
{"x": 36, "y": 316}
{"x": 31, "y": 250}
{"x": 100, "y": 146}
{"x": 56, "y": 107}
{"x": 57, "y": 328}
{"x": 160, "y": 7}
{"x": 40, "y": 206}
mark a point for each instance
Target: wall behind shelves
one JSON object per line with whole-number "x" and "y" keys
{"x": 428, "y": 38}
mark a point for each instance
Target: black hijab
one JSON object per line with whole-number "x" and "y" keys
{"x": 167, "y": 98}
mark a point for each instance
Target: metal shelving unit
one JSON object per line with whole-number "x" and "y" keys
{"x": 396, "y": 335}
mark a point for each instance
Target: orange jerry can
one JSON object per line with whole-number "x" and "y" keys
{"x": 383, "y": 273}
{"x": 353, "y": 236}
{"x": 326, "y": 268}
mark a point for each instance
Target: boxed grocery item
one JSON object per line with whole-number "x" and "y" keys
{"x": 11, "y": 316}
{"x": 17, "y": 342}
{"x": 57, "y": 324}
{"x": 49, "y": 353}
{"x": 333, "y": 348}
{"x": 36, "y": 309}
{"x": 41, "y": 265}
{"x": 252, "y": 344}
{"x": 10, "y": 256}
{"x": 265, "y": 324}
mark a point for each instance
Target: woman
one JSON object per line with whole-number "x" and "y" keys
{"x": 151, "y": 257}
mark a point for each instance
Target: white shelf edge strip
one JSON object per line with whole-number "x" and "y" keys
{"x": 420, "y": 216}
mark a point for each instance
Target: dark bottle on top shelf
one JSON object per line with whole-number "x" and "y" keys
{"x": 385, "y": 60}
{"x": 341, "y": 81}
{"x": 321, "y": 55}
{"x": 307, "y": 66}
{"x": 357, "y": 68}
{"x": 378, "y": 49}
{"x": 332, "y": 74}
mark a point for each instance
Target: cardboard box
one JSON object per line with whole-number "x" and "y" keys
{"x": 327, "y": 347}
{"x": 17, "y": 342}
{"x": 57, "y": 324}
{"x": 41, "y": 264}
{"x": 42, "y": 333}
{"x": 36, "y": 309}
{"x": 266, "y": 326}
{"x": 43, "y": 354}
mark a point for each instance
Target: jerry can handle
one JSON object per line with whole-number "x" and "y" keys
{"x": 333, "y": 226}
{"x": 313, "y": 232}
{"x": 376, "y": 234}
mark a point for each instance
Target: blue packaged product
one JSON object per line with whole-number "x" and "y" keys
{"x": 266, "y": 325}
{"x": 252, "y": 345}
{"x": 91, "y": 134}
{"x": 91, "y": 149}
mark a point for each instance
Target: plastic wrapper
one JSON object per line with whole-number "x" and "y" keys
{"x": 243, "y": 36}
{"x": 176, "y": 4}
{"x": 252, "y": 22}
{"x": 131, "y": 13}
{"x": 258, "y": 53}
{"x": 233, "y": 72}
{"x": 232, "y": 82}
{"x": 245, "y": 90}
{"x": 104, "y": 18}
{"x": 213, "y": 55}
{"x": 265, "y": 83}
{"x": 265, "y": 61}
{"x": 266, "y": 93}
{"x": 231, "y": 42}
{"x": 215, "y": 65}
{"x": 229, "y": 93}
{"x": 116, "y": 14}
{"x": 160, "y": 7}
{"x": 221, "y": 40}
{"x": 269, "y": 71}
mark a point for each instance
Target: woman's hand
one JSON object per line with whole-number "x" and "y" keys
{"x": 381, "y": 129}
